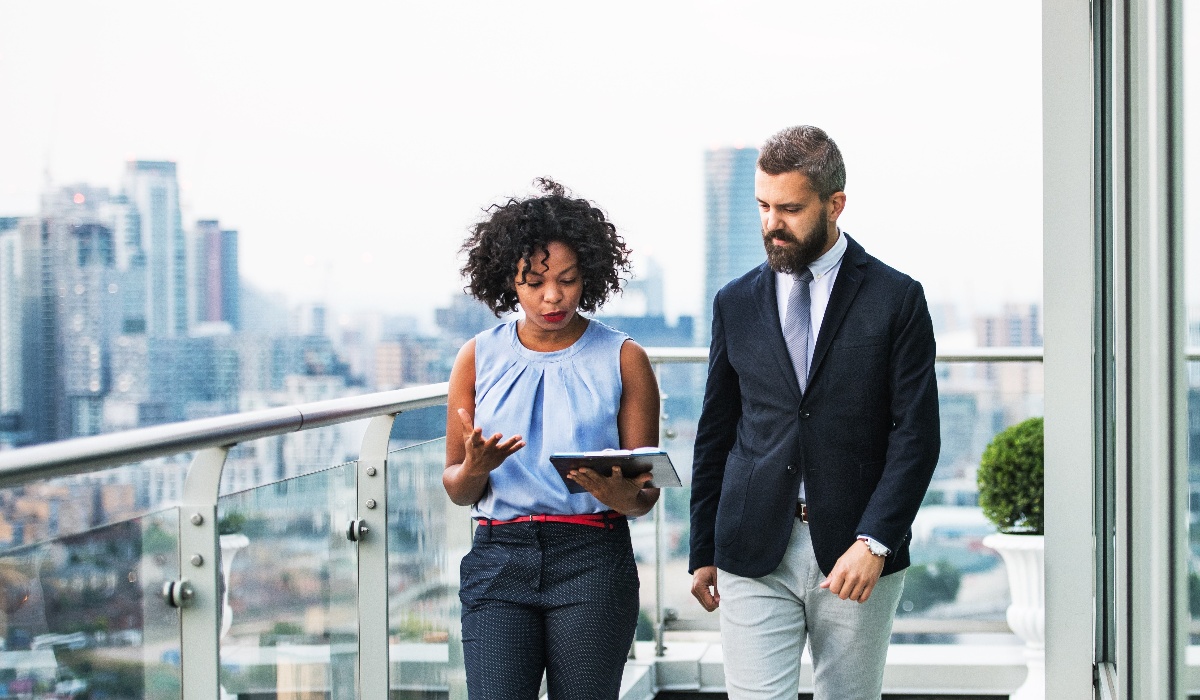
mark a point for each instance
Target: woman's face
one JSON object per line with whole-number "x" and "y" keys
{"x": 550, "y": 288}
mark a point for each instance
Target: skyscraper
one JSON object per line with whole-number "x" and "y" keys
{"x": 82, "y": 309}
{"x": 11, "y": 278}
{"x": 217, "y": 290}
{"x": 1021, "y": 385}
{"x": 41, "y": 389}
{"x": 731, "y": 226}
{"x": 155, "y": 234}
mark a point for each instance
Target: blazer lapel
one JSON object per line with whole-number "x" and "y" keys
{"x": 768, "y": 311}
{"x": 845, "y": 287}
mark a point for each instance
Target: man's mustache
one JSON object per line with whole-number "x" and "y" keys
{"x": 781, "y": 234}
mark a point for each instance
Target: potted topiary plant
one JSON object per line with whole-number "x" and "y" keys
{"x": 1011, "y": 493}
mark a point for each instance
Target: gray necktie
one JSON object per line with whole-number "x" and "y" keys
{"x": 797, "y": 325}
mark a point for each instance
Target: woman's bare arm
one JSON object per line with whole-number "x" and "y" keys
{"x": 637, "y": 425}
{"x": 470, "y": 457}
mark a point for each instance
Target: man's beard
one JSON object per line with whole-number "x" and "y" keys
{"x": 790, "y": 259}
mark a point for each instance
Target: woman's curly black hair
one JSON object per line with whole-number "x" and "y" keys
{"x": 517, "y": 229}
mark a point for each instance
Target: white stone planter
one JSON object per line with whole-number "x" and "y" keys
{"x": 230, "y": 545}
{"x": 1025, "y": 558}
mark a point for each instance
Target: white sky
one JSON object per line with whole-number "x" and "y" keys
{"x": 353, "y": 144}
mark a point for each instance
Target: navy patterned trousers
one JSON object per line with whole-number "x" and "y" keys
{"x": 555, "y": 597}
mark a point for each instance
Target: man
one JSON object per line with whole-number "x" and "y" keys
{"x": 817, "y": 440}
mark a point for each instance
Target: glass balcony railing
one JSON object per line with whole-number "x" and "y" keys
{"x": 957, "y": 588}
{"x": 310, "y": 551}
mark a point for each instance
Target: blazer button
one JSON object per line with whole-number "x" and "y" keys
{"x": 805, "y": 414}
{"x": 791, "y": 469}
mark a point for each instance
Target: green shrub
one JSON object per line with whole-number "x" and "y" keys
{"x": 230, "y": 523}
{"x": 1011, "y": 484}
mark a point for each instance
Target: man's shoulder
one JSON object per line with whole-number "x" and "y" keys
{"x": 745, "y": 284}
{"x": 875, "y": 268}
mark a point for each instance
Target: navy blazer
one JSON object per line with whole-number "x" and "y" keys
{"x": 865, "y": 435}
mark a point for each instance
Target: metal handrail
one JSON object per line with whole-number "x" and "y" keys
{"x": 89, "y": 454}
{"x": 1000, "y": 354}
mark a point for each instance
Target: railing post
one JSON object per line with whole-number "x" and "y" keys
{"x": 374, "y": 678}
{"x": 659, "y": 517}
{"x": 200, "y": 567}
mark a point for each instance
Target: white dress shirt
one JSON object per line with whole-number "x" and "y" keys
{"x": 824, "y": 271}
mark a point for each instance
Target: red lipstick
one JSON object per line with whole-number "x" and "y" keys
{"x": 555, "y": 317}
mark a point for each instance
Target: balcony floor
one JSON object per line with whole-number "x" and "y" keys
{"x": 942, "y": 671}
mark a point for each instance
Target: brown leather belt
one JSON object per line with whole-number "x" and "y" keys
{"x": 802, "y": 511}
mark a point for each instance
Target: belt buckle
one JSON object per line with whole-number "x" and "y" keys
{"x": 803, "y": 512}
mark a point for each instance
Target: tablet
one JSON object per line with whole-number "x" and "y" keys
{"x": 631, "y": 462}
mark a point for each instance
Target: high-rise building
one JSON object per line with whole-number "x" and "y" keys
{"x": 641, "y": 295}
{"x": 11, "y": 278}
{"x": 88, "y": 319}
{"x": 198, "y": 377}
{"x": 41, "y": 388}
{"x": 458, "y": 322}
{"x": 217, "y": 292}
{"x": 731, "y": 226}
{"x": 129, "y": 396}
{"x": 155, "y": 236}
{"x": 1019, "y": 384}
{"x": 83, "y": 312}
{"x": 1017, "y": 325}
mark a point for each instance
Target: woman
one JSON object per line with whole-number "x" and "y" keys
{"x": 558, "y": 591}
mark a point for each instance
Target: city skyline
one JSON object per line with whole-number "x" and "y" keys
{"x": 352, "y": 150}
{"x": 116, "y": 315}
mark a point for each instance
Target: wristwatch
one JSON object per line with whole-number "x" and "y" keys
{"x": 875, "y": 547}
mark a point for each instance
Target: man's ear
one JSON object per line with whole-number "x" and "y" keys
{"x": 837, "y": 203}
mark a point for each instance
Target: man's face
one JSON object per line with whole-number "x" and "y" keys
{"x": 797, "y": 227}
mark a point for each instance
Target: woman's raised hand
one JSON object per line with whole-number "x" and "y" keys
{"x": 484, "y": 455}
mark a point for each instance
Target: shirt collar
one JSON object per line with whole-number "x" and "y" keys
{"x": 822, "y": 265}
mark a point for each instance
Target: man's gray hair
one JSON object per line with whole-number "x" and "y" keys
{"x": 808, "y": 150}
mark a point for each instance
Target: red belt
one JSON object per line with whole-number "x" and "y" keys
{"x": 589, "y": 519}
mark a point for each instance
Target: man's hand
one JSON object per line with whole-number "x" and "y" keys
{"x": 704, "y": 587}
{"x": 854, "y": 575}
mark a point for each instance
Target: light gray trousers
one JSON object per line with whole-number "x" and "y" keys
{"x": 766, "y": 621}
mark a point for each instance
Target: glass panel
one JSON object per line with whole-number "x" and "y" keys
{"x": 1191, "y": 247}
{"x": 271, "y": 459}
{"x": 1105, "y": 373}
{"x": 427, "y": 537}
{"x": 421, "y": 425}
{"x": 956, "y": 585}
{"x": 83, "y": 616}
{"x": 290, "y": 619}
{"x": 66, "y": 506}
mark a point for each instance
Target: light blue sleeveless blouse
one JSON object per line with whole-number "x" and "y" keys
{"x": 561, "y": 401}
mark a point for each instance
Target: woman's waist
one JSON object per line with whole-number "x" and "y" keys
{"x": 503, "y": 510}
{"x": 516, "y": 492}
{"x": 607, "y": 519}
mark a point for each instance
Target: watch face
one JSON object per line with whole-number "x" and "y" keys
{"x": 877, "y": 549}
